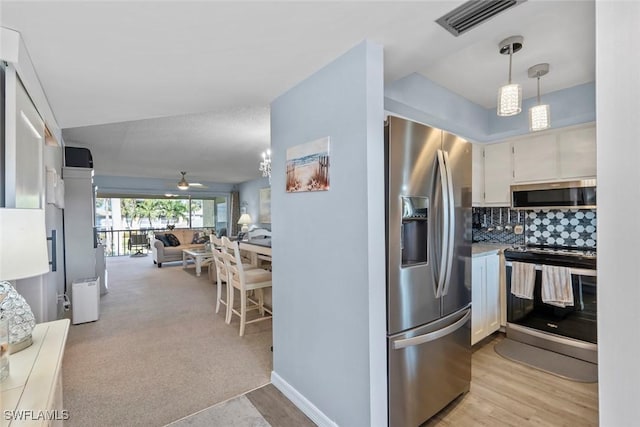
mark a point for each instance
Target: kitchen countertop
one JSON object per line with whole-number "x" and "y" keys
{"x": 482, "y": 249}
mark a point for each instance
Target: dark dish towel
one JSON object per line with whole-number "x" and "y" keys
{"x": 523, "y": 279}
{"x": 556, "y": 286}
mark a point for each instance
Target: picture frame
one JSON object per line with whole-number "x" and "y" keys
{"x": 308, "y": 166}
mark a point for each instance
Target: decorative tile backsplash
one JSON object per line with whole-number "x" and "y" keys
{"x": 555, "y": 227}
{"x": 561, "y": 228}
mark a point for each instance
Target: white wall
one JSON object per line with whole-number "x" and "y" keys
{"x": 328, "y": 247}
{"x": 618, "y": 109}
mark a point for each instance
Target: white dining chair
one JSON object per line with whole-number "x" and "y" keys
{"x": 244, "y": 281}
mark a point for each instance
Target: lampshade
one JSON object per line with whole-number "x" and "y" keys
{"x": 23, "y": 253}
{"x": 244, "y": 220}
{"x": 23, "y": 243}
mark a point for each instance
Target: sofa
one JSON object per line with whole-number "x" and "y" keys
{"x": 165, "y": 252}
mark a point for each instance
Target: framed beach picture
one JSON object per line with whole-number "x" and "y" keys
{"x": 308, "y": 166}
{"x": 264, "y": 216}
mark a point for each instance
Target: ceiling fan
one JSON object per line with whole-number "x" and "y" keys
{"x": 183, "y": 184}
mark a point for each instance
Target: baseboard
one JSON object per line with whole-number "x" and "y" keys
{"x": 308, "y": 408}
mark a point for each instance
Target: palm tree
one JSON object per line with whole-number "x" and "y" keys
{"x": 176, "y": 210}
{"x": 128, "y": 210}
{"x": 148, "y": 208}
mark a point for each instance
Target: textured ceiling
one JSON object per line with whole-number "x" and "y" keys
{"x": 224, "y": 62}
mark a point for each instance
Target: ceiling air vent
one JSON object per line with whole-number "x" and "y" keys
{"x": 473, "y": 13}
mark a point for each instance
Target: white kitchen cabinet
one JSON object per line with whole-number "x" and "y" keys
{"x": 577, "y": 153}
{"x": 477, "y": 187}
{"x": 485, "y": 296}
{"x": 535, "y": 159}
{"x": 497, "y": 174}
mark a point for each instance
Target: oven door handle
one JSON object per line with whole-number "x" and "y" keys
{"x": 573, "y": 271}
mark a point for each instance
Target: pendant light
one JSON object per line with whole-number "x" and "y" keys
{"x": 183, "y": 184}
{"x": 539, "y": 115}
{"x": 510, "y": 95}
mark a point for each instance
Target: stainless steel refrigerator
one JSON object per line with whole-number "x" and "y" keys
{"x": 428, "y": 232}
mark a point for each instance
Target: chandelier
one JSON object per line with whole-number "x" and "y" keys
{"x": 265, "y": 164}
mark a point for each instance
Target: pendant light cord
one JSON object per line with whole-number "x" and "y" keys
{"x": 538, "y": 89}
{"x": 510, "y": 56}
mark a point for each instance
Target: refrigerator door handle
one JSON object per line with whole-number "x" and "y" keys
{"x": 432, "y": 336}
{"x": 442, "y": 168}
{"x": 451, "y": 233}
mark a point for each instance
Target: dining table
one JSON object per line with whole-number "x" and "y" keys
{"x": 258, "y": 249}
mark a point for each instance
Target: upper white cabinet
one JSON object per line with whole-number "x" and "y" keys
{"x": 497, "y": 174}
{"x": 557, "y": 155}
{"x": 577, "y": 153}
{"x": 477, "y": 189}
{"x": 535, "y": 159}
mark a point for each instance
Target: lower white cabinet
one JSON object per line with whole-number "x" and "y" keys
{"x": 485, "y": 296}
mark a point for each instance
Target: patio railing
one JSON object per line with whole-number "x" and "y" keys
{"x": 120, "y": 243}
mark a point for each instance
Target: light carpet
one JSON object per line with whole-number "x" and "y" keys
{"x": 159, "y": 352}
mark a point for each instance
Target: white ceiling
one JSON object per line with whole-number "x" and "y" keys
{"x": 218, "y": 65}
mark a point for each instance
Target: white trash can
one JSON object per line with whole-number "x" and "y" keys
{"x": 85, "y": 302}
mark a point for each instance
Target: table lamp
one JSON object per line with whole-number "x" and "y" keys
{"x": 244, "y": 220}
{"x": 23, "y": 253}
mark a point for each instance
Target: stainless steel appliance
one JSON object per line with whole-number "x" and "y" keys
{"x": 553, "y": 195}
{"x": 428, "y": 231}
{"x": 570, "y": 330}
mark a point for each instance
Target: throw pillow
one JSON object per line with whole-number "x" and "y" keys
{"x": 196, "y": 237}
{"x": 163, "y": 239}
{"x": 173, "y": 240}
{"x": 202, "y": 239}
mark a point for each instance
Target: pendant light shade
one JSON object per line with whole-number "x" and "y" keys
{"x": 539, "y": 118}
{"x": 510, "y": 100}
{"x": 539, "y": 115}
{"x": 183, "y": 184}
{"x": 510, "y": 95}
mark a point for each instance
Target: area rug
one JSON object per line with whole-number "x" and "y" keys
{"x": 548, "y": 361}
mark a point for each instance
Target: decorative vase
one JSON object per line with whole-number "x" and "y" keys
{"x": 4, "y": 348}
{"x": 17, "y": 311}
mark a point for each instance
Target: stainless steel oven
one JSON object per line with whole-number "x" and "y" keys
{"x": 570, "y": 330}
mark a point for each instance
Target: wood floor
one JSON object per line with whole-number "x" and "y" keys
{"x": 277, "y": 409}
{"x": 505, "y": 393}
